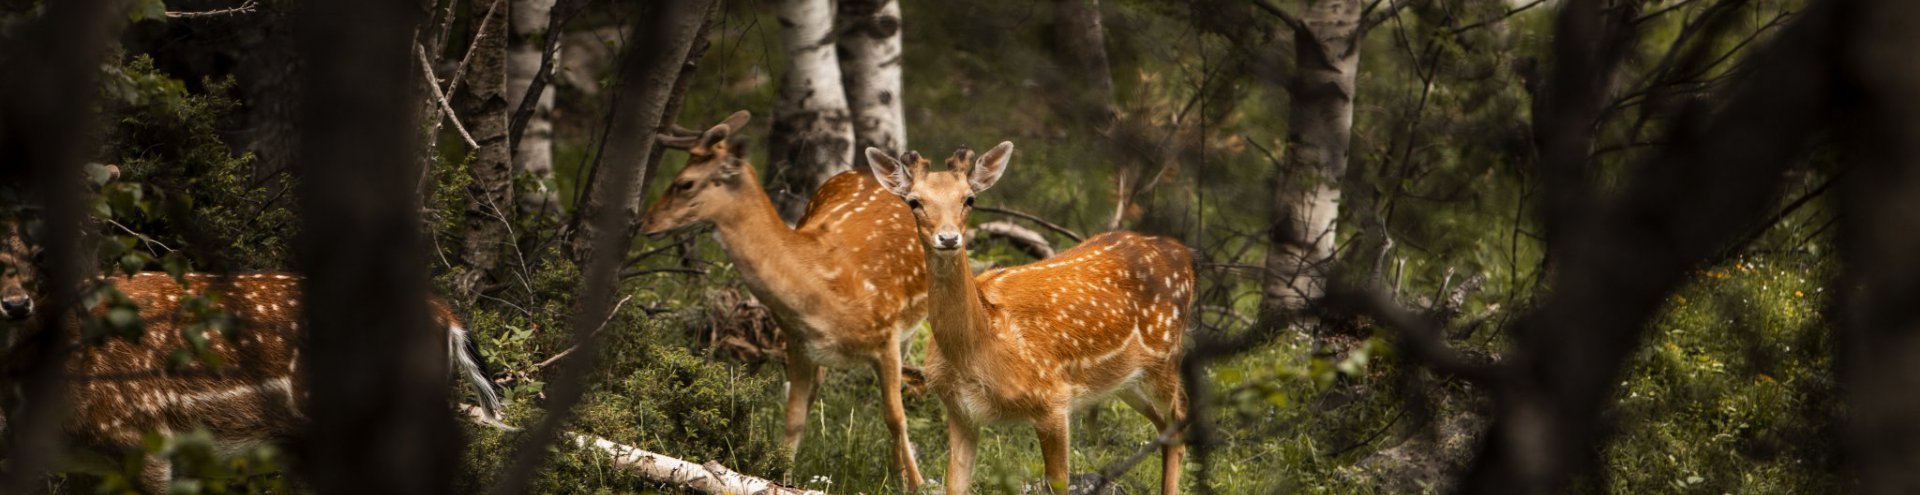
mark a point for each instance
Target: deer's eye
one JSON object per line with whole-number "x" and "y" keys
{"x": 913, "y": 203}
{"x": 683, "y": 185}
{"x": 969, "y": 201}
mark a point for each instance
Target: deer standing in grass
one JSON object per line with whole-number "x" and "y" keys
{"x": 121, "y": 389}
{"x": 1032, "y": 343}
{"x": 846, "y": 286}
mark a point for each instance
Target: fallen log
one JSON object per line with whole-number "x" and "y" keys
{"x": 711, "y": 477}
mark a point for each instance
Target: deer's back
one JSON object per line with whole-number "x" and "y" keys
{"x": 875, "y": 257}
{"x": 1098, "y": 313}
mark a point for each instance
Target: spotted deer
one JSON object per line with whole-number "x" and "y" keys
{"x": 1032, "y": 343}
{"x": 121, "y": 389}
{"x": 845, "y": 286}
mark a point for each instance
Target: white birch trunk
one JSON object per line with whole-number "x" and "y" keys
{"x": 1306, "y": 197}
{"x": 870, "y": 58}
{"x": 534, "y": 157}
{"x": 812, "y": 135}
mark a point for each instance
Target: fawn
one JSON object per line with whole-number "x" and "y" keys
{"x": 845, "y": 286}
{"x": 120, "y": 389}
{"x": 1032, "y": 343}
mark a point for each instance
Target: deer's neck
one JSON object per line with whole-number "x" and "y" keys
{"x": 956, "y": 311}
{"x": 772, "y": 257}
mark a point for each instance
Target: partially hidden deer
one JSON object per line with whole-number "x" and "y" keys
{"x": 121, "y": 389}
{"x": 1033, "y": 343}
{"x": 846, "y": 286}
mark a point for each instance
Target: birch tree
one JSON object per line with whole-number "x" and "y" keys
{"x": 870, "y": 59}
{"x": 528, "y": 20}
{"x": 482, "y": 103}
{"x": 1082, "y": 46}
{"x": 1306, "y": 189}
{"x": 812, "y": 136}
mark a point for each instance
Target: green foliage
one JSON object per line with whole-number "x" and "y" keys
{"x": 182, "y": 186}
{"x": 1734, "y": 392}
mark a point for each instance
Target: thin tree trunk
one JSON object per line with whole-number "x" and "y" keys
{"x": 1082, "y": 44}
{"x": 812, "y": 136}
{"x": 482, "y": 103}
{"x": 676, "y": 99}
{"x": 46, "y": 134}
{"x": 1306, "y": 191}
{"x": 534, "y": 156}
{"x": 375, "y": 366}
{"x": 870, "y": 58}
{"x": 660, "y": 47}
{"x": 656, "y": 94}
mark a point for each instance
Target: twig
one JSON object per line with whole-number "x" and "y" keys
{"x": 596, "y": 331}
{"x": 426, "y": 68}
{"x": 1037, "y": 220}
{"x": 1419, "y": 337}
{"x": 1286, "y": 17}
{"x": 244, "y": 8}
{"x": 650, "y": 271}
{"x": 460, "y": 71}
{"x": 143, "y": 237}
{"x": 1118, "y": 468}
{"x": 1483, "y": 22}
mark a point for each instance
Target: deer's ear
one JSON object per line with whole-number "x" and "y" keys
{"x": 677, "y": 142}
{"x": 738, "y": 120}
{"x": 715, "y": 136}
{"x": 890, "y": 172}
{"x": 987, "y": 169}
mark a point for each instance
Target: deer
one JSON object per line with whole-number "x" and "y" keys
{"x": 121, "y": 389}
{"x": 845, "y": 286}
{"x": 1032, "y": 343}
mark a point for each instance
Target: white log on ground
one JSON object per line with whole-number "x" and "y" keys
{"x": 812, "y": 136}
{"x": 710, "y": 477}
{"x": 870, "y": 62}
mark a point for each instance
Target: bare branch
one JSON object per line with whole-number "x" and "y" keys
{"x": 1286, "y": 17}
{"x": 1036, "y": 220}
{"x": 1026, "y": 240}
{"x": 596, "y": 331}
{"x": 244, "y": 8}
{"x": 426, "y": 69}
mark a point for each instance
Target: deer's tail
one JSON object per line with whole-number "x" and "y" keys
{"x": 466, "y": 359}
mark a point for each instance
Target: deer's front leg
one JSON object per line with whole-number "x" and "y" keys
{"x": 802, "y": 376}
{"x": 1052, "y": 429}
{"x": 889, "y": 371}
{"x": 962, "y": 436}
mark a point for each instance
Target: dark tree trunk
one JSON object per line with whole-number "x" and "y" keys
{"x": 646, "y": 97}
{"x": 46, "y": 130}
{"x": 1306, "y": 189}
{"x": 375, "y": 366}
{"x": 482, "y": 103}
{"x": 646, "y": 76}
{"x": 870, "y": 68}
{"x": 676, "y": 99}
{"x": 1623, "y": 256}
{"x": 269, "y": 82}
{"x": 1082, "y": 45}
{"x": 1880, "y": 353}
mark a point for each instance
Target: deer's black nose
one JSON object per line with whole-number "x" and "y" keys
{"x": 17, "y": 307}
